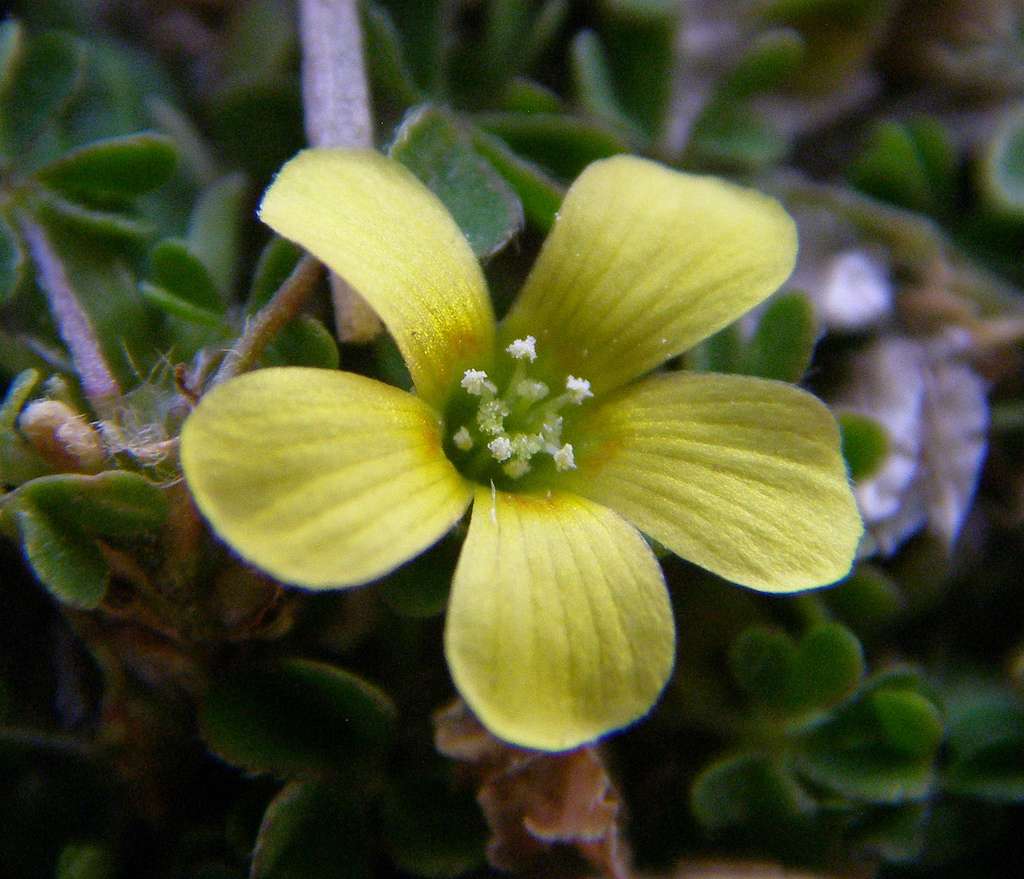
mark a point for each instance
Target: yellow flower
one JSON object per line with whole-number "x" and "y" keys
{"x": 559, "y": 626}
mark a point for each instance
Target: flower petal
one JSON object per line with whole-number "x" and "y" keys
{"x": 376, "y": 225}
{"x": 643, "y": 263}
{"x": 559, "y": 626}
{"x": 320, "y": 478}
{"x": 742, "y": 476}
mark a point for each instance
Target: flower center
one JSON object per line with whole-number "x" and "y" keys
{"x": 513, "y": 429}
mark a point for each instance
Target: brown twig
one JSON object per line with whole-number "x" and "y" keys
{"x": 268, "y": 321}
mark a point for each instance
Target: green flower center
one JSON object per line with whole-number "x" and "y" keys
{"x": 512, "y": 430}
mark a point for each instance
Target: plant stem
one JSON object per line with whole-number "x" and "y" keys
{"x": 99, "y": 385}
{"x": 336, "y": 101}
{"x": 268, "y": 321}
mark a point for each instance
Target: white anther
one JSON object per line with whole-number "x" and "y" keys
{"x": 578, "y": 388}
{"x": 501, "y": 448}
{"x": 491, "y": 416}
{"x": 564, "y": 459}
{"x": 516, "y": 468}
{"x": 462, "y": 439}
{"x": 524, "y": 348}
{"x": 532, "y": 390}
{"x": 475, "y": 382}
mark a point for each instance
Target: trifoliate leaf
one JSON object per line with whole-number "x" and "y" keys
{"x": 112, "y": 227}
{"x": 744, "y": 788}
{"x": 432, "y": 146}
{"x": 113, "y": 169}
{"x": 763, "y": 662}
{"x": 312, "y": 830}
{"x": 296, "y": 716}
{"x": 304, "y": 341}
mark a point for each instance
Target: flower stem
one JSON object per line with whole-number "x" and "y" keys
{"x": 336, "y": 102}
{"x": 268, "y": 321}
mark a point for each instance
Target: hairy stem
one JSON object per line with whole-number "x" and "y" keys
{"x": 99, "y": 385}
{"x": 337, "y": 112}
{"x": 268, "y": 321}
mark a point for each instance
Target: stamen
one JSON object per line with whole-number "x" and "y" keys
{"x": 524, "y": 348}
{"x": 501, "y": 448}
{"x": 516, "y": 468}
{"x": 532, "y": 390}
{"x": 475, "y": 382}
{"x": 491, "y": 416}
{"x": 578, "y": 388}
{"x": 463, "y": 439}
{"x": 564, "y": 459}
{"x": 525, "y": 445}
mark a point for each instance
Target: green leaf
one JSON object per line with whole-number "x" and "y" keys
{"x": 894, "y": 834}
{"x": 304, "y": 341}
{"x": 829, "y": 665}
{"x": 177, "y": 307}
{"x": 296, "y": 716}
{"x": 733, "y": 137}
{"x": 19, "y": 462}
{"x": 763, "y": 662}
{"x": 910, "y": 722}
{"x": 12, "y": 261}
{"x": 113, "y": 169}
{"x": 44, "y": 78}
{"x": 867, "y": 599}
{"x": 214, "y": 233}
{"x": 111, "y": 227}
{"x": 564, "y": 145}
{"x": 526, "y": 96}
{"x": 985, "y": 742}
{"x": 540, "y": 194}
{"x": 865, "y": 444}
{"x": 179, "y": 271}
{"x": 113, "y": 504}
{"x": 862, "y": 751}
{"x": 386, "y": 67}
{"x": 276, "y": 262}
{"x": 771, "y": 59}
{"x": 312, "y": 830}
{"x": 783, "y": 344}
{"x": 66, "y": 561}
{"x": 720, "y": 352}
{"x": 432, "y": 146}
{"x": 593, "y": 78}
{"x": 909, "y": 165}
{"x": 746, "y": 788}
{"x": 640, "y": 38}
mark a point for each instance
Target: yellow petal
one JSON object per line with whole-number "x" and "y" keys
{"x": 320, "y": 478}
{"x": 643, "y": 263}
{"x": 559, "y": 626}
{"x": 376, "y": 225}
{"x": 742, "y": 476}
